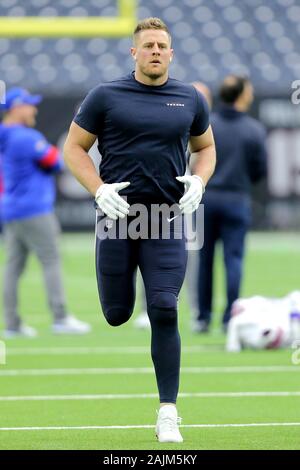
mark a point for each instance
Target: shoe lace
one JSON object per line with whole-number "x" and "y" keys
{"x": 170, "y": 424}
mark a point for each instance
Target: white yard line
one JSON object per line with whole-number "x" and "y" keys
{"x": 146, "y": 370}
{"x": 129, "y": 396}
{"x": 145, "y": 426}
{"x": 102, "y": 350}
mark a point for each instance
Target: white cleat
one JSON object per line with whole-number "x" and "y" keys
{"x": 142, "y": 322}
{"x": 70, "y": 326}
{"x": 23, "y": 331}
{"x": 167, "y": 425}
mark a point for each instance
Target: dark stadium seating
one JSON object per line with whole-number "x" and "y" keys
{"x": 211, "y": 39}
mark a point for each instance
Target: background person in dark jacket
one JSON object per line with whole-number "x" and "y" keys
{"x": 241, "y": 161}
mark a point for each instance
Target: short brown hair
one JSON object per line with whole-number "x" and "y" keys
{"x": 151, "y": 23}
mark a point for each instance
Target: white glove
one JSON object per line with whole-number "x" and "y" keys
{"x": 109, "y": 201}
{"x": 194, "y": 190}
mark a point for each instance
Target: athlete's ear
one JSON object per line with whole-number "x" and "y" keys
{"x": 171, "y": 56}
{"x": 133, "y": 52}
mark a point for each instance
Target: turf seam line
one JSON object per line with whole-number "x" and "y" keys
{"x": 104, "y": 350}
{"x": 145, "y": 426}
{"x": 146, "y": 370}
{"x": 147, "y": 395}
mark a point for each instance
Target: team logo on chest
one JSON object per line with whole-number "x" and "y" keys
{"x": 175, "y": 105}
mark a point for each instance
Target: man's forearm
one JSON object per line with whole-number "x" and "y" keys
{"x": 203, "y": 162}
{"x": 82, "y": 167}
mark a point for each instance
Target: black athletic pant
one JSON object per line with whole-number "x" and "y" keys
{"x": 226, "y": 218}
{"x": 162, "y": 264}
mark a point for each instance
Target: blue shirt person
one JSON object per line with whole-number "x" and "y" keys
{"x": 29, "y": 162}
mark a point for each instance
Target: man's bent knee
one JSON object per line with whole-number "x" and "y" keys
{"x": 116, "y": 316}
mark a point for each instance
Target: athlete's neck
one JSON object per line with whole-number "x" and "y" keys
{"x": 145, "y": 80}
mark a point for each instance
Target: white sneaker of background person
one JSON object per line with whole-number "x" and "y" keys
{"x": 167, "y": 424}
{"x": 24, "y": 331}
{"x": 70, "y": 326}
{"x": 142, "y": 321}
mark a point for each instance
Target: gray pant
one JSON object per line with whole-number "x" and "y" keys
{"x": 38, "y": 235}
{"x": 191, "y": 282}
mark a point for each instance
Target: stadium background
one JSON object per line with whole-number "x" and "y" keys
{"x": 211, "y": 39}
{"x": 52, "y": 388}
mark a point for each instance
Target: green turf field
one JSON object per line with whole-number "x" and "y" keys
{"x": 80, "y": 392}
